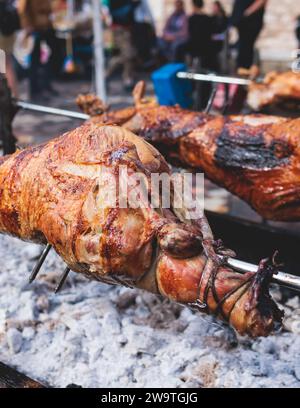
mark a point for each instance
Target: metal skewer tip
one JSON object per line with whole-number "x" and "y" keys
{"x": 62, "y": 280}
{"x": 282, "y": 278}
{"x": 39, "y": 263}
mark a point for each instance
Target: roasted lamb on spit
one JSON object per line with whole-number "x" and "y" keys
{"x": 255, "y": 157}
{"x": 276, "y": 88}
{"x": 58, "y": 193}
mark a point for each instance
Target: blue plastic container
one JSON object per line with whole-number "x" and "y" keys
{"x": 171, "y": 90}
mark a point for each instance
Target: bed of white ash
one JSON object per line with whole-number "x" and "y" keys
{"x": 94, "y": 335}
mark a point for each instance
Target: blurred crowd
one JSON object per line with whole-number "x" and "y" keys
{"x": 43, "y": 39}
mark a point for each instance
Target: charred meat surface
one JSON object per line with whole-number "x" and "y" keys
{"x": 256, "y": 160}
{"x": 60, "y": 193}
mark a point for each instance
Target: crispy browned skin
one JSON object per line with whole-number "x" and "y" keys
{"x": 101, "y": 113}
{"x": 256, "y": 157}
{"x": 257, "y": 160}
{"x": 276, "y": 88}
{"x": 58, "y": 193}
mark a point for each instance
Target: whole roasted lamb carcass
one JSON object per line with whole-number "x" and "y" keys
{"x": 59, "y": 193}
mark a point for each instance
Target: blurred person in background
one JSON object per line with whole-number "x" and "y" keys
{"x": 298, "y": 31}
{"x": 9, "y": 24}
{"x": 82, "y": 36}
{"x": 36, "y": 20}
{"x": 220, "y": 16}
{"x": 175, "y": 32}
{"x": 248, "y": 18}
{"x": 201, "y": 28}
{"x": 200, "y": 46}
{"x": 144, "y": 34}
{"x": 221, "y": 24}
{"x": 122, "y": 13}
